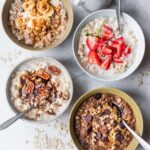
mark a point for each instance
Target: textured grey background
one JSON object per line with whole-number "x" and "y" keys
{"x": 137, "y": 85}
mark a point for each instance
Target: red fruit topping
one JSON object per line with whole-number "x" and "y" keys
{"x": 92, "y": 42}
{"x": 127, "y": 51}
{"x": 113, "y": 43}
{"x": 106, "y": 63}
{"x": 119, "y": 51}
{"x": 107, "y": 33}
{"x": 106, "y": 50}
{"x": 107, "y": 29}
{"x": 93, "y": 58}
{"x": 120, "y": 40}
{"x": 117, "y": 60}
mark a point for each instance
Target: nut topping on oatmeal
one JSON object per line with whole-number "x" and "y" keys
{"x": 100, "y": 127}
{"x": 54, "y": 70}
{"x": 41, "y": 87}
{"x": 43, "y": 74}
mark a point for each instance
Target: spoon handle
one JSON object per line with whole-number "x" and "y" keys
{"x": 118, "y": 12}
{"x": 10, "y": 121}
{"x": 143, "y": 143}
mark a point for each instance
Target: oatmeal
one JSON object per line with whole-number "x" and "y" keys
{"x": 43, "y": 85}
{"x": 102, "y": 50}
{"x": 38, "y": 23}
{"x": 98, "y": 124}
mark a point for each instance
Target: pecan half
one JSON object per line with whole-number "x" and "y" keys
{"x": 43, "y": 92}
{"x": 43, "y": 74}
{"x": 28, "y": 88}
{"x": 54, "y": 70}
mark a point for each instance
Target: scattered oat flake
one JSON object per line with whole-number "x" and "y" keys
{"x": 42, "y": 141}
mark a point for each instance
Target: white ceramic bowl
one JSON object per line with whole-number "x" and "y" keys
{"x": 25, "y": 65}
{"x": 140, "y": 48}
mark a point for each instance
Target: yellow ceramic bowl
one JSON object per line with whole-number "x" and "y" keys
{"x": 127, "y": 98}
{"x": 5, "y": 16}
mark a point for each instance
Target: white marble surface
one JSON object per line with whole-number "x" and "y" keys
{"x": 21, "y": 134}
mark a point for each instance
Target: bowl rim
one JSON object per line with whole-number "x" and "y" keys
{"x": 93, "y": 76}
{"x": 24, "y": 46}
{"x": 138, "y": 115}
{"x": 16, "y": 68}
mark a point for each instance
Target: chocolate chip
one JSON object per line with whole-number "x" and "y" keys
{"x": 110, "y": 104}
{"x": 106, "y": 112}
{"x": 105, "y": 139}
{"x": 119, "y": 137}
{"x": 22, "y": 81}
{"x": 35, "y": 93}
{"x": 115, "y": 123}
{"x": 121, "y": 125}
{"x": 98, "y": 135}
{"x": 118, "y": 131}
{"x": 88, "y": 118}
{"x": 89, "y": 129}
{"x": 97, "y": 96}
{"x": 20, "y": 92}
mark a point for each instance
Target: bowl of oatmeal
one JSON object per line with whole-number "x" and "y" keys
{"x": 41, "y": 82}
{"x": 104, "y": 54}
{"x": 95, "y": 122}
{"x": 37, "y": 25}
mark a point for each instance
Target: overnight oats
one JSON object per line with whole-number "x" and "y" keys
{"x": 43, "y": 85}
{"x": 103, "y": 51}
{"x": 98, "y": 124}
{"x": 38, "y": 23}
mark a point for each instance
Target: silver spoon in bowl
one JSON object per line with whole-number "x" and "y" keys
{"x": 10, "y": 121}
{"x": 142, "y": 142}
{"x": 119, "y": 17}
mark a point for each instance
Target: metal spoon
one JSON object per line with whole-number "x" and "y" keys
{"x": 119, "y": 17}
{"x": 142, "y": 142}
{"x": 10, "y": 121}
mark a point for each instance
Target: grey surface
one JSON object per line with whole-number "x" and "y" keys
{"x": 137, "y": 85}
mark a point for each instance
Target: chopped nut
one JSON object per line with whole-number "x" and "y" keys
{"x": 54, "y": 70}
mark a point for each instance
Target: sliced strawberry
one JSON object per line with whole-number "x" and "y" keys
{"x": 92, "y": 42}
{"x": 113, "y": 43}
{"x": 99, "y": 53}
{"x": 107, "y": 29}
{"x": 107, "y": 35}
{"x": 120, "y": 40}
{"x": 106, "y": 63}
{"x": 107, "y": 32}
{"x": 106, "y": 50}
{"x": 117, "y": 60}
{"x": 93, "y": 58}
{"x": 127, "y": 51}
{"x": 101, "y": 42}
{"x": 119, "y": 51}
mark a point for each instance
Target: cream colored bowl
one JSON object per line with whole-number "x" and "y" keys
{"x": 25, "y": 65}
{"x": 139, "y": 120}
{"x": 5, "y": 16}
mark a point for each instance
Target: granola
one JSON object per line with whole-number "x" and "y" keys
{"x": 38, "y": 23}
{"x": 98, "y": 124}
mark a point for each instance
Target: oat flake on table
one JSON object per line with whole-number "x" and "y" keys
{"x": 42, "y": 141}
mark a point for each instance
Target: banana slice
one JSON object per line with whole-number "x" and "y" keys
{"x": 43, "y": 6}
{"x": 28, "y": 5}
{"x": 19, "y": 23}
{"x": 50, "y": 12}
{"x": 39, "y": 24}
